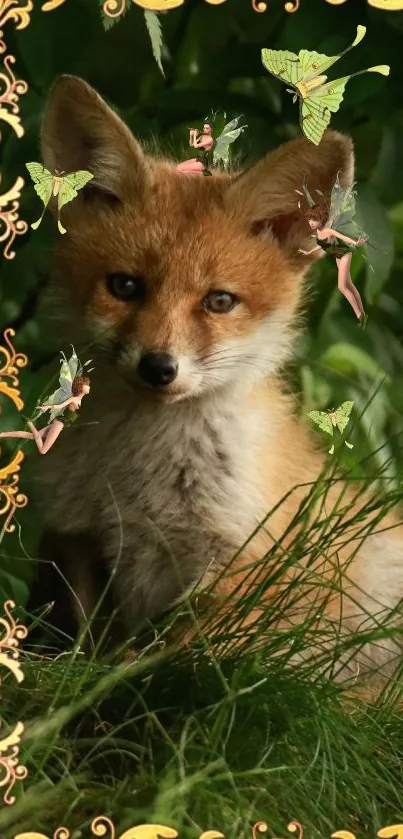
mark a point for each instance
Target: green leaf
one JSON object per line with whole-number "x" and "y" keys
{"x": 348, "y": 359}
{"x": 155, "y": 32}
{"x": 109, "y": 21}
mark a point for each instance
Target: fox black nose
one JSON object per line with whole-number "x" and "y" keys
{"x": 158, "y": 368}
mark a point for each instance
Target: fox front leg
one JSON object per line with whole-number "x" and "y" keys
{"x": 73, "y": 576}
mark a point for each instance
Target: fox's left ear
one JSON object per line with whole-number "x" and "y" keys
{"x": 80, "y": 131}
{"x": 265, "y": 197}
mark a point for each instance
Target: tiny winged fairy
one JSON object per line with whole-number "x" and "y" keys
{"x": 330, "y": 238}
{"x": 60, "y": 185}
{"x": 329, "y": 420}
{"x": 211, "y": 152}
{"x": 63, "y": 404}
{"x": 318, "y": 98}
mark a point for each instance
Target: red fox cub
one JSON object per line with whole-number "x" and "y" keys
{"x": 187, "y": 293}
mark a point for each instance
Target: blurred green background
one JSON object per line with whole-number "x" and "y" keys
{"x": 211, "y": 61}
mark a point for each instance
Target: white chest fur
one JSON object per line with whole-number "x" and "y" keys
{"x": 167, "y": 489}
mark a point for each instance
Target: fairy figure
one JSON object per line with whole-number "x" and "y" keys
{"x": 334, "y": 242}
{"x": 213, "y": 152}
{"x": 73, "y": 387}
{"x": 204, "y": 143}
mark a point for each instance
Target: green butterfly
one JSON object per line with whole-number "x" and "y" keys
{"x": 318, "y": 97}
{"x": 65, "y": 187}
{"x": 329, "y": 420}
{"x": 229, "y": 134}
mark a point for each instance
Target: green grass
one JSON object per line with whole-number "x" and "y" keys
{"x": 198, "y": 742}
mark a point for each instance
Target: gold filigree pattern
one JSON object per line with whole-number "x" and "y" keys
{"x": 11, "y": 770}
{"x": 10, "y": 766}
{"x": 14, "y": 361}
{"x": 10, "y": 497}
{"x": 115, "y": 8}
{"x": 104, "y": 827}
{"x": 10, "y": 87}
{"x": 9, "y": 643}
{"x": 10, "y": 91}
{"x": 10, "y": 224}
{"x": 14, "y": 10}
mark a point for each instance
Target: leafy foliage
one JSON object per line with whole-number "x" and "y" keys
{"x": 155, "y": 32}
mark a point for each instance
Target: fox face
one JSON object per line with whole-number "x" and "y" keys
{"x": 187, "y": 285}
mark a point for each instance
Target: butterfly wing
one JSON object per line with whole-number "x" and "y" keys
{"x": 71, "y": 184}
{"x": 229, "y": 134}
{"x": 316, "y": 109}
{"x": 43, "y": 181}
{"x": 283, "y": 64}
{"x": 69, "y": 190}
{"x": 322, "y": 420}
{"x": 315, "y": 63}
{"x": 342, "y": 415}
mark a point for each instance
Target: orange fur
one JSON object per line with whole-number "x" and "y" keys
{"x": 186, "y": 237}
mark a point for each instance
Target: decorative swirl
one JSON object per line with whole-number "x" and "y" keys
{"x": 259, "y": 827}
{"x": 9, "y": 370}
{"x": 114, "y": 8}
{"x": 10, "y": 225}
{"x": 14, "y": 633}
{"x": 11, "y": 10}
{"x": 10, "y": 91}
{"x": 13, "y": 771}
{"x": 296, "y": 827}
{"x": 48, "y": 7}
{"x": 10, "y": 769}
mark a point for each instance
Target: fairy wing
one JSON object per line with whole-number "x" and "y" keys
{"x": 229, "y": 134}
{"x": 68, "y": 371}
{"x": 342, "y": 415}
{"x": 43, "y": 181}
{"x": 71, "y": 184}
{"x": 315, "y": 63}
{"x": 283, "y": 64}
{"x": 322, "y": 420}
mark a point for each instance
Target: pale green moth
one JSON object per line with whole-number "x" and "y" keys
{"x": 64, "y": 187}
{"x": 317, "y": 97}
{"x": 229, "y": 134}
{"x": 329, "y": 420}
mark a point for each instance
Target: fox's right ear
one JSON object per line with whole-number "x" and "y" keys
{"x": 266, "y": 197}
{"x": 80, "y": 131}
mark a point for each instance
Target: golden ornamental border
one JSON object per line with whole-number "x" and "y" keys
{"x": 11, "y": 498}
{"x": 11, "y": 88}
{"x": 11, "y": 769}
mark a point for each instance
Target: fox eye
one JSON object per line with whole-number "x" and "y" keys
{"x": 125, "y": 287}
{"x": 220, "y": 302}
